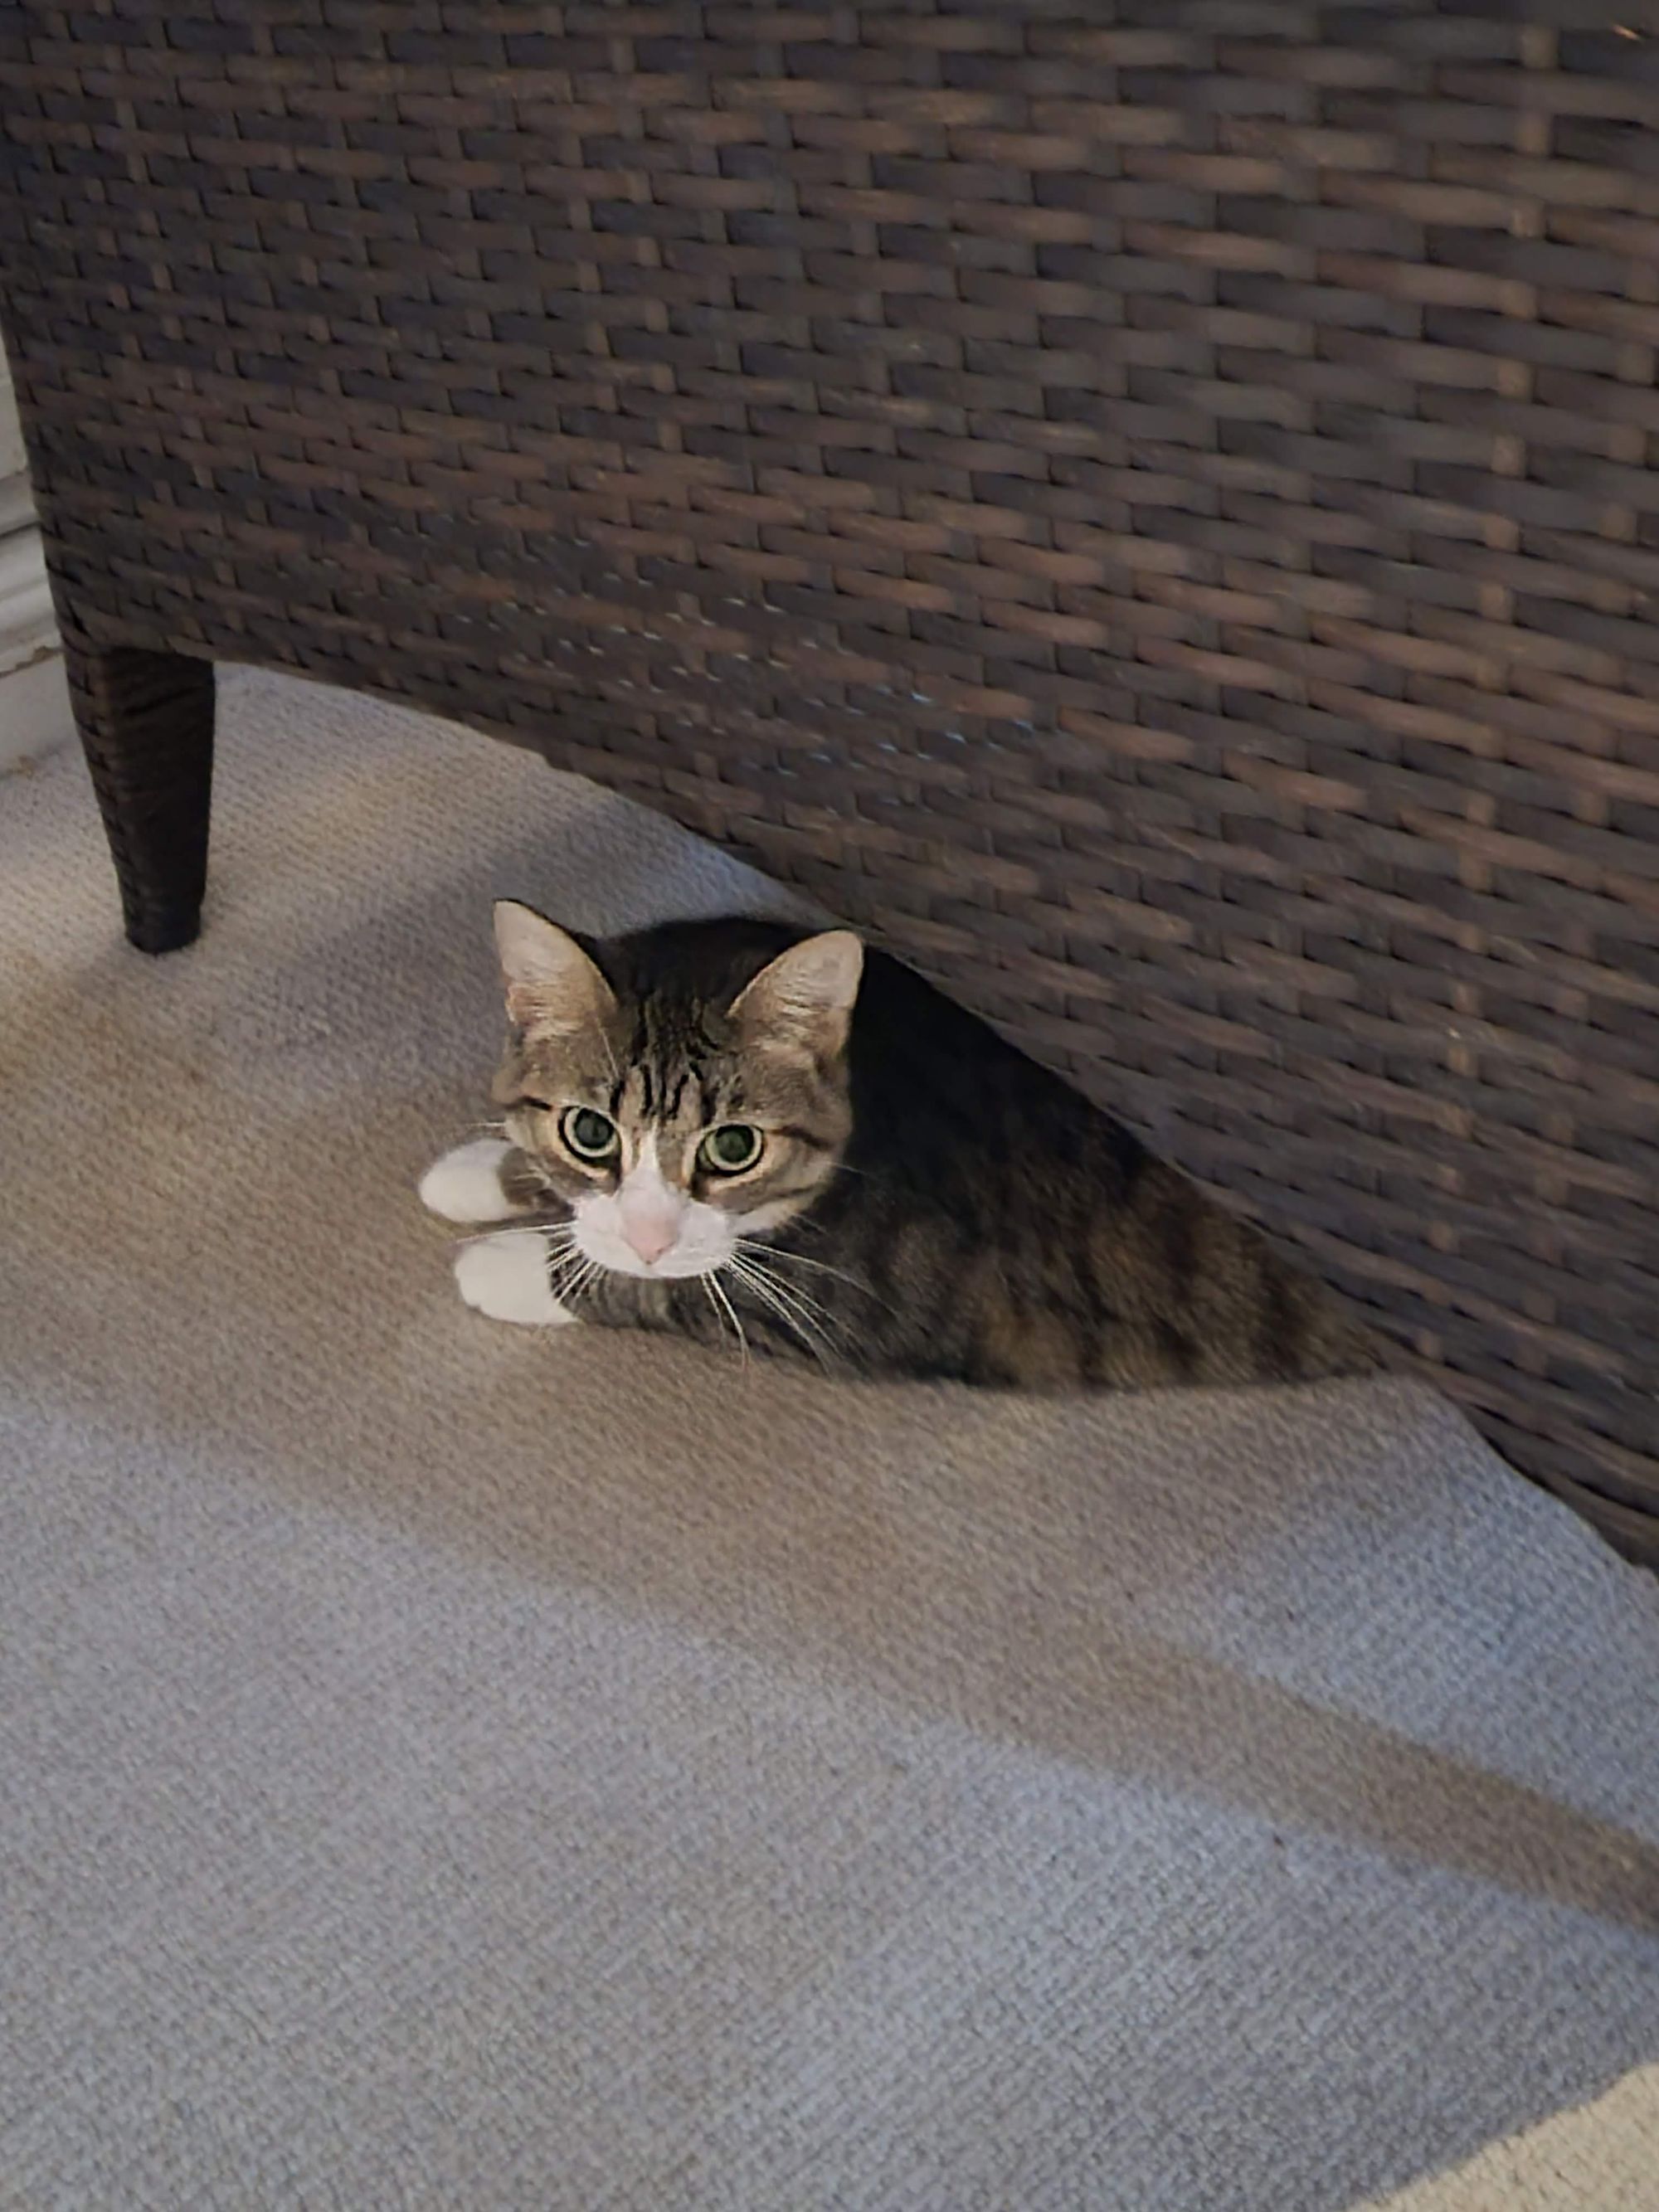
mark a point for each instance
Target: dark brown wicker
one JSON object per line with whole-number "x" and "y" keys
{"x": 1148, "y": 506}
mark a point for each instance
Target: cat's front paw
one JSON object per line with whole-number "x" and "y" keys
{"x": 467, "y": 1184}
{"x": 505, "y": 1277}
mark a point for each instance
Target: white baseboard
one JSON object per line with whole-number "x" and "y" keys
{"x": 34, "y": 708}
{"x": 34, "y": 711}
{"x": 27, "y": 626}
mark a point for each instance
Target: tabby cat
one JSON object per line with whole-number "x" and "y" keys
{"x": 791, "y": 1145}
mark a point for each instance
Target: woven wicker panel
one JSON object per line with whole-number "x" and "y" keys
{"x": 1147, "y": 507}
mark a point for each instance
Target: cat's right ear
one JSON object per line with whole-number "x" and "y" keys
{"x": 553, "y": 988}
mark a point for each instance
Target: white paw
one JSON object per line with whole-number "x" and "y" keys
{"x": 465, "y": 1185}
{"x": 506, "y": 1277}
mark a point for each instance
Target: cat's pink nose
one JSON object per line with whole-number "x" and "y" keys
{"x": 649, "y": 1238}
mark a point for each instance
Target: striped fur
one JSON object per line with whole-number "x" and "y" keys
{"x": 937, "y": 1204}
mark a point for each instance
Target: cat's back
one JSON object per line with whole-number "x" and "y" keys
{"x": 1009, "y": 1230}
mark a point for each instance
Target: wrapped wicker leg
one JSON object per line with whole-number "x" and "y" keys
{"x": 146, "y": 722}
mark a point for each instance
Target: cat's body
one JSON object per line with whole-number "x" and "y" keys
{"x": 927, "y": 1201}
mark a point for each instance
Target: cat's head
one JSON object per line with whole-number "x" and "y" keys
{"x": 675, "y": 1111}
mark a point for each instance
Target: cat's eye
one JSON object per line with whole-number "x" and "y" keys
{"x": 732, "y": 1148}
{"x": 589, "y": 1134}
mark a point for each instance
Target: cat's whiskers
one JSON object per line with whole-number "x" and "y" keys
{"x": 490, "y": 1236}
{"x": 581, "y": 1282}
{"x": 845, "y": 1167}
{"x": 793, "y": 1292}
{"x": 572, "y": 1277}
{"x": 570, "y": 1270}
{"x": 801, "y": 1258}
{"x": 611, "y": 1058}
{"x": 502, "y": 1229}
{"x": 790, "y": 1305}
{"x": 563, "y": 1265}
{"x": 725, "y": 1311}
{"x": 757, "y": 1288}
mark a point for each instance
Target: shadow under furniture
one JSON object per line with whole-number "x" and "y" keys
{"x": 1156, "y": 527}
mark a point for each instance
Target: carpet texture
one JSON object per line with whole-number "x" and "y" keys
{"x": 442, "y": 1765}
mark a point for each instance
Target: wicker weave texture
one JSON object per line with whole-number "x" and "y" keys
{"x": 1149, "y": 507}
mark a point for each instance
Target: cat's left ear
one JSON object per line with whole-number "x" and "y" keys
{"x": 553, "y": 988}
{"x": 807, "y": 992}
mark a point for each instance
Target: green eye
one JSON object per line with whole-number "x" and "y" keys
{"x": 732, "y": 1148}
{"x": 589, "y": 1134}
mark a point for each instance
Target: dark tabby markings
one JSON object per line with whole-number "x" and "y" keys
{"x": 980, "y": 1221}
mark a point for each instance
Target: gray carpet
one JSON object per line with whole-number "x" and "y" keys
{"x": 442, "y": 1765}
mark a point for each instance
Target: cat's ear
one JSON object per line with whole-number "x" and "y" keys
{"x": 553, "y": 988}
{"x": 807, "y": 991}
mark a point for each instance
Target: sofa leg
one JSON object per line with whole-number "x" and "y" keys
{"x": 146, "y": 723}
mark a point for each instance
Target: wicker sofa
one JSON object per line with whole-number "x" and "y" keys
{"x": 1147, "y": 508}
